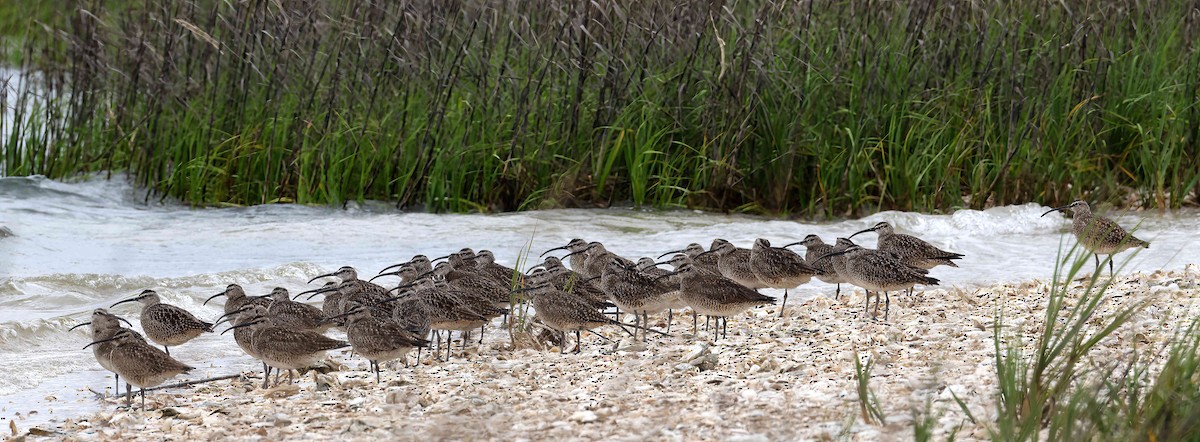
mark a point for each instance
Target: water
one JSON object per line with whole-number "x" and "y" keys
{"x": 85, "y": 245}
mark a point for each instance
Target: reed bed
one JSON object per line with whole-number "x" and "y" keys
{"x": 820, "y": 108}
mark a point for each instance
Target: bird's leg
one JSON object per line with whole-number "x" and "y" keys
{"x": 887, "y": 305}
{"x": 1111, "y": 273}
{"x": 694, "y": 328}
{"x": 143, "y": 390}
{"x": 1097, "y": 256}
{"x": 128, "y": 395}
{"x": 645, "y": 322}
{"x": 578, "y": 342}
{"x": 465, "y": 336}
{"x": 376, "y": 364}
{"x": 266, "y": 376}
{"x": 562, "y": 344}
{"x": 481, "y": 333}
{"x": 724, "y": 327}
{"x": 838, "y": 292}
{"x": 167, "y": 350}
{"x": 670, "y": 314}
{"x": 784, "y": 305}
{"x": 867, "y": 308}
{"x": 117, "y": 388}
{"x": 875, "y": 313}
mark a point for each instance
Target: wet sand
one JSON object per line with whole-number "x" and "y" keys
{"x": 772, "y": 379}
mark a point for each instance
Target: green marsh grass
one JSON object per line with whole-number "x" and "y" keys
{"x": 823, "y": 108}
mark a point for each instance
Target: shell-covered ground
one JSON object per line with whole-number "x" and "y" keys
{"x": 772, "y": 379}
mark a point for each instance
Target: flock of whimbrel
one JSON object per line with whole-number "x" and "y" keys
{"x": 468, "y": 290}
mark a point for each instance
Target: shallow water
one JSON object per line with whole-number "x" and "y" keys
{"x": 79, "y": 246}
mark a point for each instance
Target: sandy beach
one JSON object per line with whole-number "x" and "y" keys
{"x": 771, "y": 379}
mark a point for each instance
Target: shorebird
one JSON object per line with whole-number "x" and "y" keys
{"x": 331, "y": 306}
{"x": 106, "y": 325}
{"x": 910, "y": 249}
{"x": 877, "y": 270}
{"x": 288, "y": 313}
{"x": 1099, "y": 235}
{"x": 573, "y": 283}
{"x": 475, "y": 285}
{"x": 650, "y": 268}
{"x": 565, "y": 313}
{"x": 166, "y": 324}
{"x": 244, "y": 337}
{"x": 700, "y": 260}
{"x": 485, "y": 265}
{"x": 354, "y": 288}
{"x": 717, "y": 296}
{"x": 285, "y": 348}
{"x": 633, "y": 291}
{"x": 578, "y": 255}
{"x": 141, "y": 364}
{"x": 236, "y": 298}
{"x": 815, "y": 248}
{"x": 598, "y": 259}
{"x": 734, "y": 263}
{"x": 378, "y": 340}
{"x": 448, "y": 310}
{"x": 779, "y": 268}
{"x": 420, "y": 263}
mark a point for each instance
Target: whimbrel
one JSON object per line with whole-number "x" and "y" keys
{"x": 244, "y": 337}
{"x": 717, "y": 296}
{"x": 140, "y": 363}
{"x": 633, "y": 291}
{"x": 448, "y": 310}
{"x": 475, "y": 285}
{"x": 815, "y": 248}
{"x": 699, "y": 259}
{"x": 285, "y": 348}
{"x": 485, "y": 264}
{"x": 288, "y": 313}
{"x": 331, "y": 306}
{"x": 378, "y": 340}
{"x": 236, "y": 298}
{"x": 910, "y": 249}
{"x": 576, "y": 284}
{"x": 578, "y": 255}
{"x": 779, "y": 268}
{"x": 1099, "y": 235}
{"x": 879, "y": 271}
{"x": 598, "y": 259}
{"x": 420, "y": 263}
{"x": 734, "y": 263}
{"x": 650, "y": 268}
{"x": 565, "y": 313}
{"x": 356, "y": 289}
{"x": 166, "y": 324}
{"x": 106, "y": 325}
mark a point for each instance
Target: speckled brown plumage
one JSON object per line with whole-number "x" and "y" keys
{"x": 378, "y": 340}
{"x": 142, "y": 364}
{"x": 285, "y": 312}
{"x": 1097, "y": 234}
{"x": 734, "y": 263}
{"x": 165, "y": 324}
{"x": 911, "y": 250}
{"x": 485, "y": 265}
{"x": 879, "y": 271}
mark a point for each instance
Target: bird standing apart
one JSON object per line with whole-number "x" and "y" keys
{"x": 1099, "y": 235}
{"x": 166, "y": 324}
{"x": 779, "y": 268}
{"x": 141, "y": 364}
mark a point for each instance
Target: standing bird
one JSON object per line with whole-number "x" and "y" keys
{"x": 236, "y": 298}
{"x": 815, "y": 248}
{"x": 879, "y": 271}
{"x": 716, "y": 296}
{"x": 1098, "y": 234}
{"x": 166, "y": 324}
{"x": 288, "y": 313}
{"x": 356, "y": 289}
{"x": 485, "y": 264}
{"x": 285, "y": 348}
{"x": 331, "y": 306}
{"x": 378, "y": 340}
{"x": 565, "y": 313}
{"x": 734, "y": 263}
{"x": 578, "y": 254}
{"x": 635, "y": 292}
{"x": 141, "y": 364}
{"x": 779, "y": 268}
{"x": 910, "y": 249}
{"x": 700, "y": 260}
{"x": 106, "y": 325}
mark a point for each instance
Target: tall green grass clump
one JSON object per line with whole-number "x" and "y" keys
{"x": 821, "y": 107}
